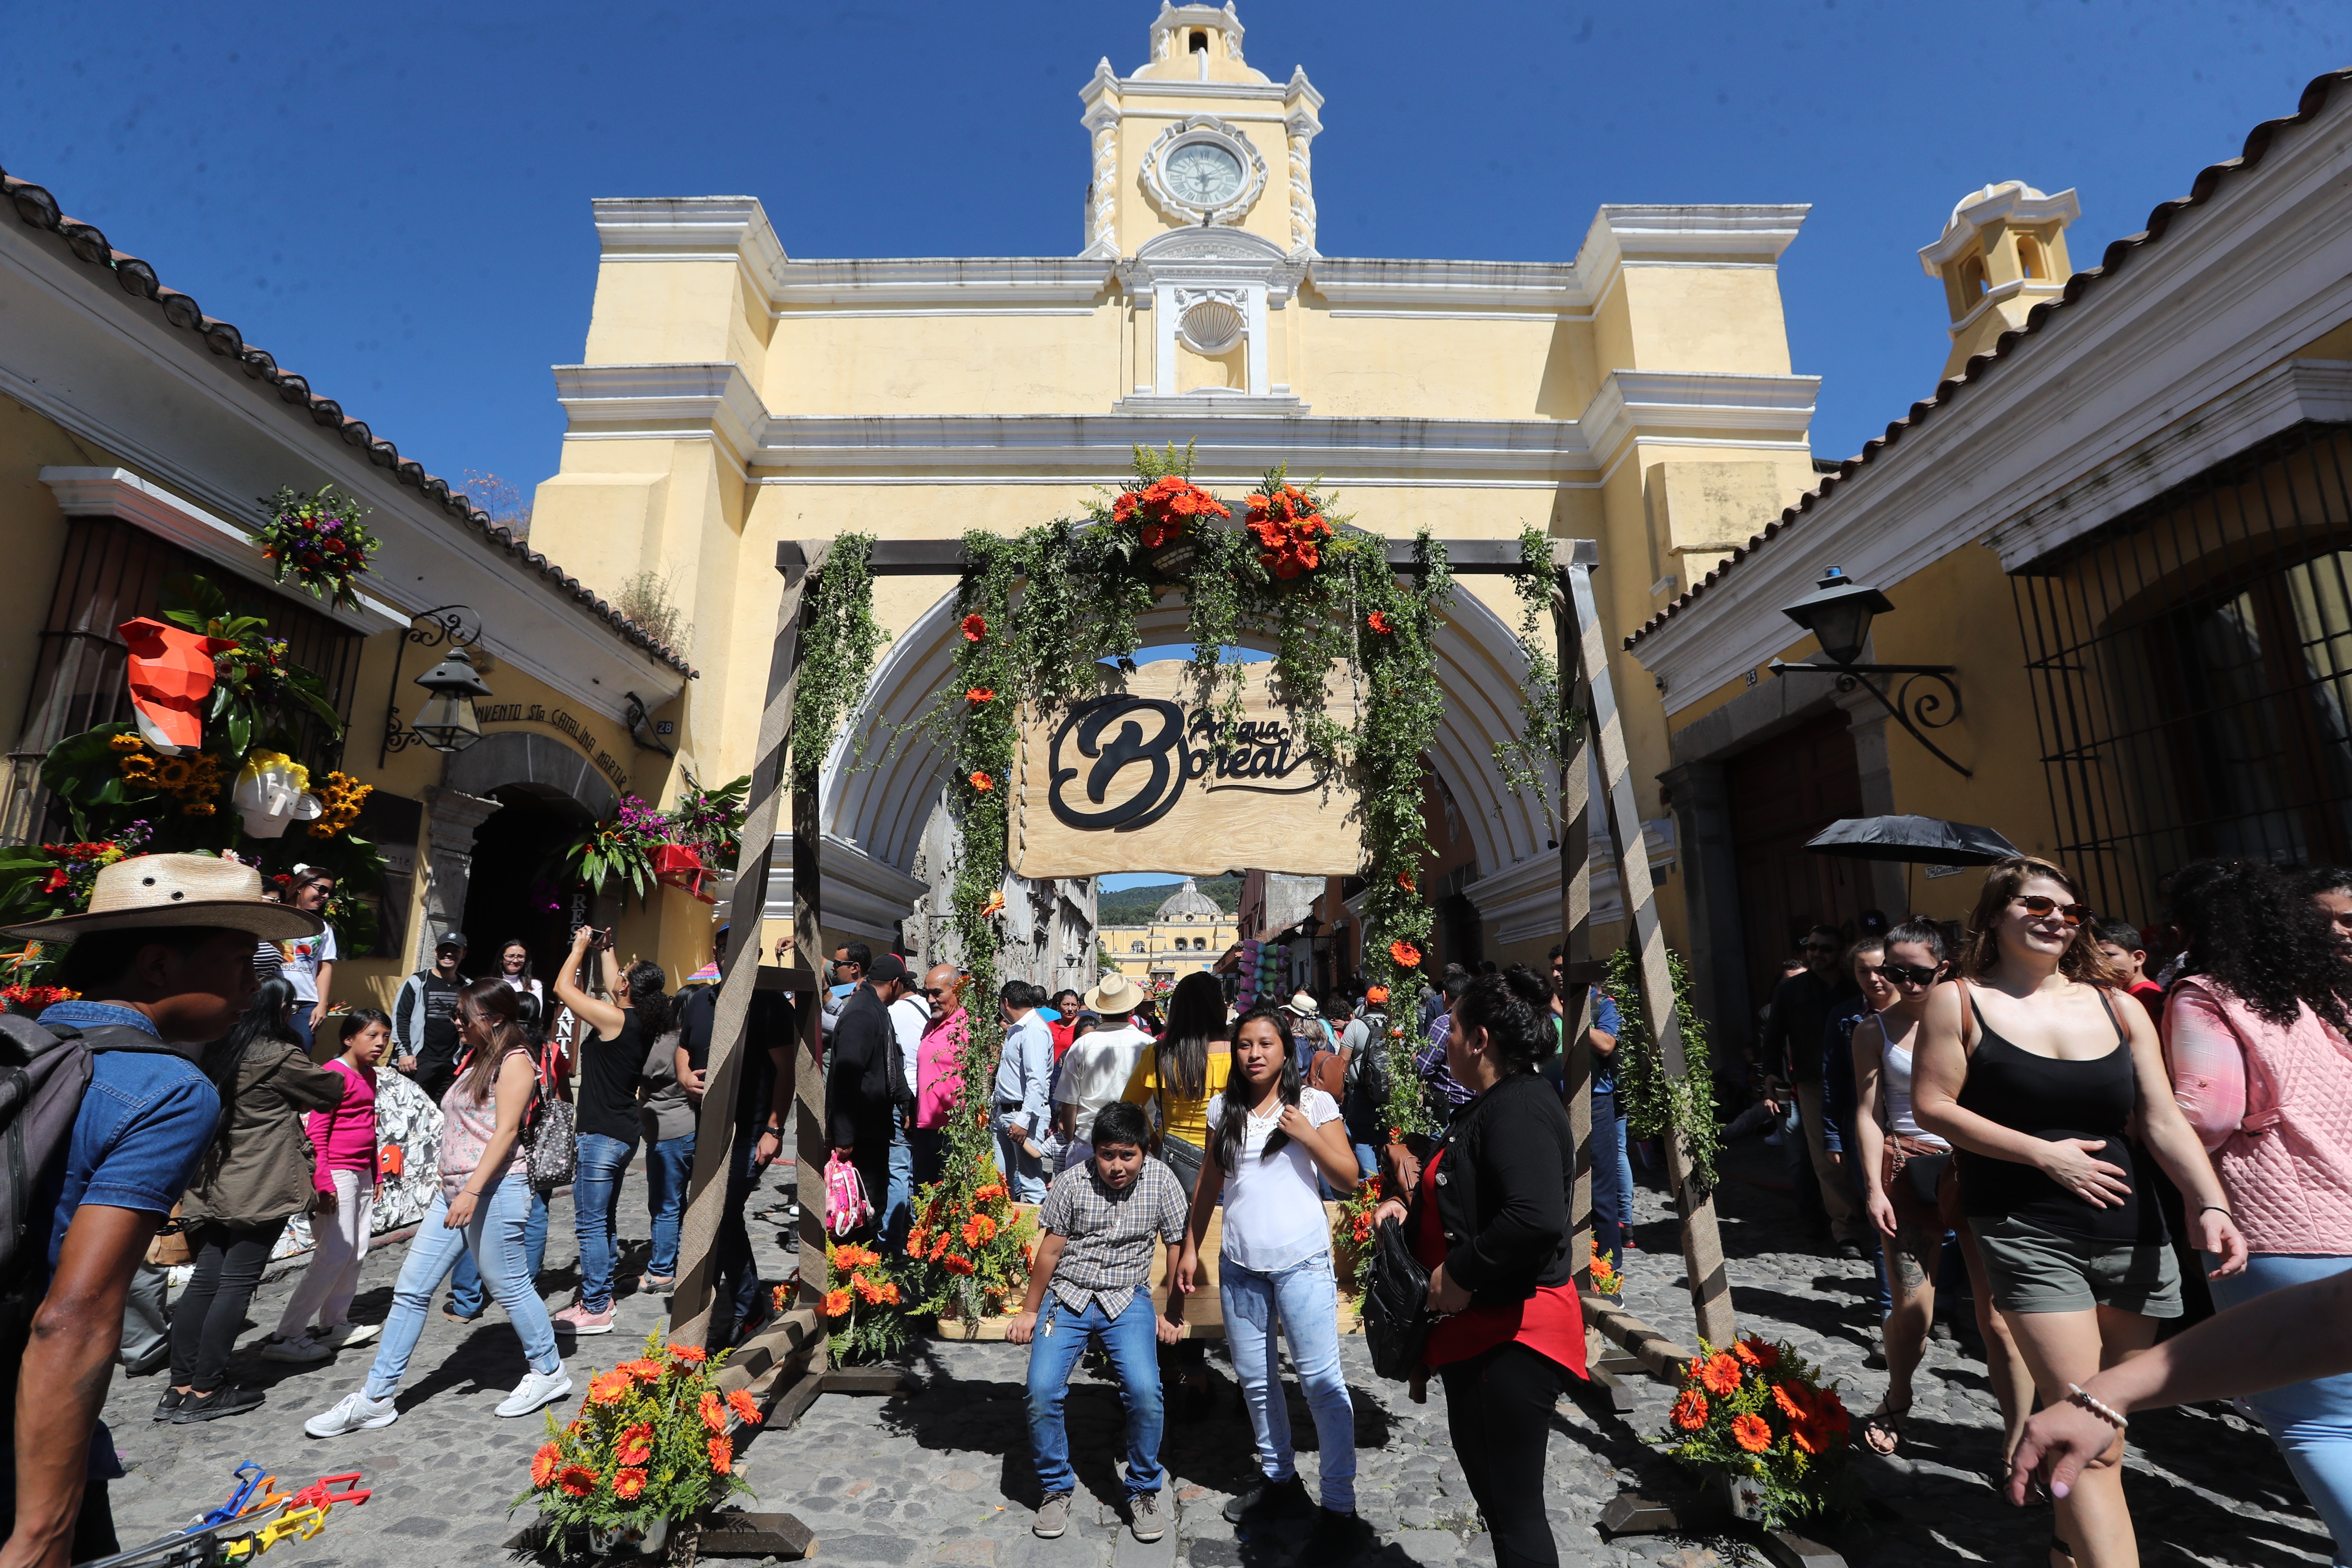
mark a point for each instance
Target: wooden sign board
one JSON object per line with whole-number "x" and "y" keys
{"x": 1135, "y": 780}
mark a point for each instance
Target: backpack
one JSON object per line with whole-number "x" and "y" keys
{"x": 45, "y": 1069}
{"x": 1326, "y": 1069}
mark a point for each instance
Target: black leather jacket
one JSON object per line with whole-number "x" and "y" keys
{"x": 1503, "y": 1192}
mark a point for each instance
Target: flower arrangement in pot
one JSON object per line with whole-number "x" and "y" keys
{"x": 863, "y": 1320}
{"x": 619, "y": 849}
{"x": 1164, "y": 508}
{"x": 650, "y": 1449}
{"x": 706, "y": 829}
{"x": 1352, "y": 1244}
{"x": 1290, "y": 528}
{"x": 1757, "y": 1415}
{"x": 968, "y": 1254}
{"x": 319, "y": 541}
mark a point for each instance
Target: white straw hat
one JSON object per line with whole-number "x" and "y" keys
{"x": 176, "y": 890}
{"x": 1115, "y": 994}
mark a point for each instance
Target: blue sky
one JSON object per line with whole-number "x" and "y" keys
{"x": 395, "y": 201}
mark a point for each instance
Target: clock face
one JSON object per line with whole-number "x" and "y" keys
{"x": 1202, "y": 173}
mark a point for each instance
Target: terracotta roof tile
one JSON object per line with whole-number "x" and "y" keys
{"x": 2119, "y": 256}
{"x": 38, "y": 208}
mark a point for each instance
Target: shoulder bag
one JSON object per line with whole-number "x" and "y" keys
{"x": 551, "y": 1154}
{"x": 1396, "y": 1306}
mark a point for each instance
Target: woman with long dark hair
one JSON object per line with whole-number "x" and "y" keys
{"x": 1489, "y": 1219}
{"x": 256, "y": 1175}
{"x": 615, "y": 1034}
{"x": 1269, "y": 1140}
{"x": 479, "y": 1212}
{"x": 2257, "y": 1029}
{"x": 514, "y": 968}
{"x": 1184, "y": 1070}
{"x": 2037, "y": 1068}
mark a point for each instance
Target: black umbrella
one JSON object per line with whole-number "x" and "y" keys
{"x": 1927, "y": 839}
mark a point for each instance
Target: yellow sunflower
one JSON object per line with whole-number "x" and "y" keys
{"x": 175, "y": 774}
{"x": 125, "y": 742}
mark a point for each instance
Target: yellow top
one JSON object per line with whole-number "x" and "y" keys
{"x": 1185, "y": 1118}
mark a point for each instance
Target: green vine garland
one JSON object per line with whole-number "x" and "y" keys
{"x": 838, "y": 648}
{"x": 1656, "y": 1105}
{"x": 1533, "y": 761}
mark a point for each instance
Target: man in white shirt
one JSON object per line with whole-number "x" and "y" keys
{"x": 910, "y": 1016}
{"x": 1095, "y": 1068}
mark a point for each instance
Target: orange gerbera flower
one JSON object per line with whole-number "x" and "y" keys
{"x": 956, "y": 1263}
{"x": 578, "y": 1480}
{"x": 1405, "y": 953}
{"x": 687, "y": 1353}
{"x": 836, "y": 1303}
{"x": 1404, "y": 880}
{"x": 1720, "y": 1375}
{"x": 746, "y": 1408}
{"x": 1791, "y": 1400}
{"x": 918, "y": 1239}
{"x": 974, "y": 628}
{"x": 889, "y": 1292}
{"x": 868, "y": 1291}
{"x": 989, "y": 1193}
{"x": 981, "y": 781}
{"x": 713, "y": 1414}
{"x": 1750, "y": 1433}
{"x": 722, "y": 1454}
{"x": 1690, "y": 1410}
{"x": 628, "y": 1484}
{"x": 635, "y": 1444}
{"x": 1378, "y": 621}
{"x": 543, "y": 1464}
{"x": 605, "y": 1390}
{"x": 978, "y": 1230}
{"x": 981, "y": 694}
{"x": 1758, "y": 1353}
{"x": 644, "y": 1369}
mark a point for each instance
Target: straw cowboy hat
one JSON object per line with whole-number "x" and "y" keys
{"x": 149, "y": 890}
{"x": 1115, "y": 994}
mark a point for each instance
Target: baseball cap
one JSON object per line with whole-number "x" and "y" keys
{"x": 886, "y": 969}
{"x": 451, "y": 939}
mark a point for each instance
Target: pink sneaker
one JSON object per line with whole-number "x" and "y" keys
{"x": 581, "y": 1321}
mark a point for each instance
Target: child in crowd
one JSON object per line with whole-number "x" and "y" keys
{"x": 2123, "y": 946}
{"x": 348, "y": 1170}
{"x": 1093, "y": 1279}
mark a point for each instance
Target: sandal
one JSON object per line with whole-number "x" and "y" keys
{"x": 1884, "y": 1420}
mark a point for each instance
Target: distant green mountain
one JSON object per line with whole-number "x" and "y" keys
{"x": 1136, "y": 906}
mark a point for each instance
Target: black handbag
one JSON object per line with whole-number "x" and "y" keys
{"x": 1396, "y": 1306}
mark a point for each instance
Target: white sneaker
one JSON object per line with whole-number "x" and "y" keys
{"x": 535, "y": 1390}
{"x": 299, "y": 1347}
{"x": 345, "y": 1335}
{"x": 357, "y": 1413}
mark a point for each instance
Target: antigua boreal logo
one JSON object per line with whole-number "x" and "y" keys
{"x": 1105, "y": 735}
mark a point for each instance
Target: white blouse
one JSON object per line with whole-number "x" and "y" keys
{"x": 1273, "y": 1208}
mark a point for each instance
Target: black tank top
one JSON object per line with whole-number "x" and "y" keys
{"x": 2045, "y": 1098}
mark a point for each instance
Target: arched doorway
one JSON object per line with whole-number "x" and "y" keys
{"x": 516, "y": 890}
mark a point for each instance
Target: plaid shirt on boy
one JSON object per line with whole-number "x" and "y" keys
{"x": 1109, "y": 1253}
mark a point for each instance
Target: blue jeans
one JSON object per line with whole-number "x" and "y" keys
{"x": 467, "y": 1297}
{"x": 1024, "y": 1175}
{"x": 1062, "y": 1337}
{"x": 595, "y": 1200}
{"x": 1368, "y": 1161}
{"x": 2310, "y": 1422}
{"x": 1306, "y": 1299}
{"x": 899, "y": 1207}
{"x": 1612, "y": 1177}
{"x": 669, "y": 1165}
{"x": 493, "y": 1240}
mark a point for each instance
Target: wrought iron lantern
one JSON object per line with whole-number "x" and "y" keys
{"x": 447, "y": 722}
{"x": 1838, "y": 612}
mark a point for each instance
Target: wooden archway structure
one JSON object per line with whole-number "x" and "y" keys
{"x": 784, "y": 1365}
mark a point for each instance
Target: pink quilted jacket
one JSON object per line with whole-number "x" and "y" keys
{"x": 2273, "y": 1105}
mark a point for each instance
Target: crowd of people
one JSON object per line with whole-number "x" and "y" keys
{"x": 188, "y": 1106}
{"x": 2100, "y": 1134}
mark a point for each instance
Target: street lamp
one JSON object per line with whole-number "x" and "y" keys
{"x": 1838, "y": 612}
{"x": 447, "y": 722}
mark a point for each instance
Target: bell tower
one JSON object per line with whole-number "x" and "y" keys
{"x": 1198, "y": 138}
{"x": 2002, "y": 252}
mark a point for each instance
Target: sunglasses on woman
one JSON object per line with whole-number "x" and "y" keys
{"x": 1906, "y": 974}
{"x": 2040, "y": 907}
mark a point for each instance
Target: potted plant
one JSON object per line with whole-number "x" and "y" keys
{"x": 649, "y": 1450}
{"x": 1290, "y": 528}
{"x": 1755, "y": 1422}
{"x": 619, "y": 849}
{"x": 319, "y": 541}
{"x": 967, "y": 1249}
{"x": 861, "y": 1313}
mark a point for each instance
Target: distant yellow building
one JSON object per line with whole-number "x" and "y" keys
{"x": 730, "y": 395}
{"x": 1187, "y": 934}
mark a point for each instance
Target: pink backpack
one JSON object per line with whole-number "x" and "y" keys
{"x": 845, "y": 1208}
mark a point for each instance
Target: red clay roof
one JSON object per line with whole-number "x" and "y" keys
{"x": 36, "y": 207}
{"x": 2119, "y": 256}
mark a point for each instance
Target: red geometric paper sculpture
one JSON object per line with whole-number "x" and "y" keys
{"x": 170, "y": 674}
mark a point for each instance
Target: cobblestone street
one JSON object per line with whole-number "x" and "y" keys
{"x": 942, "y": 1474}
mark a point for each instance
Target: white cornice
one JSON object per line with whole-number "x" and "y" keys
{"x": 1516, "y": 285}
{"x": 2236, "y": 284}
{"x": 2032, "y": 289}
{"x": 687, "y": 229}
{"x": 2007, "y": 202}
{"x": 861, "y": 895}
{"x": 2285, "y": 395}
{"x": 1639, "y": 401}
{"x": 1220, "y": 91}
{"x": 1209, "y": 402}
{"x": 930, "y": 280}
{"x": 118, "y": 493}
{"x": 681, "y": 399}
{"x": 1622, "y": 231}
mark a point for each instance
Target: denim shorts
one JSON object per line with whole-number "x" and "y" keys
{"x": 2034, "y": 1268}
